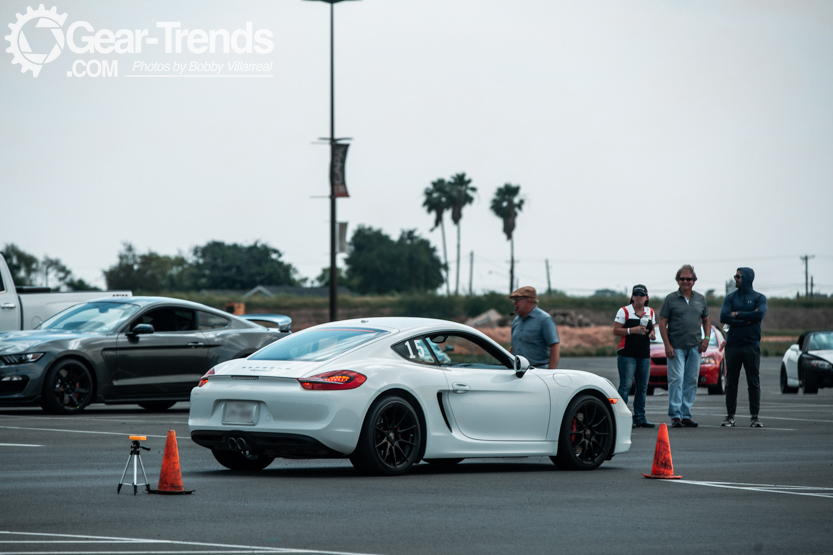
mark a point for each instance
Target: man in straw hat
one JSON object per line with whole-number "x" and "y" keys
{"x": 534, "y": 334}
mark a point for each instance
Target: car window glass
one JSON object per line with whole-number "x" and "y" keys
{"x": 415, "y": 350}
{"x": 2, "y": 287}
{"x": 212, "y": 321}
{"x": 317, "y": 344}
{"x": 102, "y": 317}
{"x": 467, "y": 351}
{"x": 820, "y": 342}
{"x": 168, "y": 319}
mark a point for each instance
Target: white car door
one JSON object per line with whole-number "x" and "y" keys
{"x": 488, "y": 401}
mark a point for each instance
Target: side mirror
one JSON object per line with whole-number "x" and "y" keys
{"x": 141, "y": 329}
{"x": 521, "y": 365}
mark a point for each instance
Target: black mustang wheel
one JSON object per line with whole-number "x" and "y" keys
{"x": 586, "y": 437}
{"x": 391, "y": 438}
{"x": 68, "y": 388}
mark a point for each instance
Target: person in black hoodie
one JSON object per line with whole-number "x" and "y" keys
{"x": 743, "y": 311}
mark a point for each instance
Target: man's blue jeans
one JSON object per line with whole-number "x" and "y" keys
{"x": 683, "y": 371}
{"x": 630, "y": 368}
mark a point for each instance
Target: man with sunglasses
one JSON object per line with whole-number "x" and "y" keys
{"x": 743, "y": 309}
{"x": 682, "y": 314}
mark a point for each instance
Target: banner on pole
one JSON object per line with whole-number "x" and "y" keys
{"x": 342, "y": 237}
{"x": 339, "y": 157}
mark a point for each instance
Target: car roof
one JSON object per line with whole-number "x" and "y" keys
{"x": 404, "y": 325}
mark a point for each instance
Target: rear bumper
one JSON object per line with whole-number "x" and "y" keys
{"x": 273, "y": 444}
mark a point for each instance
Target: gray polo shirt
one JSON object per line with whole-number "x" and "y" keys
{"x": 684, "y": 318}
{"x": 533, "y": 335}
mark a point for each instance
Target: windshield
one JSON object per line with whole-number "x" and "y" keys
{"x": 822, "y": 341}
{"x": 317, "y": 344}
{"x": 100, "y": 317}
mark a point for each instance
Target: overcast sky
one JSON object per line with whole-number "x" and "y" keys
{"x": 644, "y": 135}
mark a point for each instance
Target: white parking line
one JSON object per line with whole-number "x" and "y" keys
{"x": 18, "y": 445}
{"x": 77, "y": 431}
{"x": 225, "y": 548}
{"x": 767, "y": 488}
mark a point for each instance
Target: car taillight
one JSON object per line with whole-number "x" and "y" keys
{"x": 204, "y": 379}
{"x": 328, "y": 381}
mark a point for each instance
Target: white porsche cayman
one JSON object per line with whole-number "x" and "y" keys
{"x": 390, "y": 392}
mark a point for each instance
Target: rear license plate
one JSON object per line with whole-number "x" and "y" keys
{"x": 240, "y": 412}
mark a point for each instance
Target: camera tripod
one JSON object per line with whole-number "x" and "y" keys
{"x": 136, "y": 457}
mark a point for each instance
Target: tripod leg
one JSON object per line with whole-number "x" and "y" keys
{"x": 135, "y": 471}
{"x": 123, "y": 474}
{"x": 147, "y": 483}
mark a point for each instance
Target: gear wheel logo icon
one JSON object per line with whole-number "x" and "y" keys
{"x": 35, "y": 22}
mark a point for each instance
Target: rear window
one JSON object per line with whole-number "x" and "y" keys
{"x": 317, "y": 344}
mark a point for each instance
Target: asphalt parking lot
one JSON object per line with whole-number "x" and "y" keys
{"x": 743, "y": 490}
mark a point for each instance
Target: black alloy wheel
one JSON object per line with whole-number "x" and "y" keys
{"x": 157, "y": 406}
{"x": 720, "y": 387}
{"x": 242, "y": 460}
{"x": 68, "y": 388}
{"x": 785, "y": 388}
{"x": 391, "y": 439}
{"x": 586, "y": 437}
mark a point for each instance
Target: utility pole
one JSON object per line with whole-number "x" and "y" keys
{"x": 471, "y": 272}
{"x": 811, "y": 287}
{"x": 806, "y": 258}
{"x": 549, "y": 285}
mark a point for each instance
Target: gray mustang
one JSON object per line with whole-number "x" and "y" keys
{"x": 145, "y": 350}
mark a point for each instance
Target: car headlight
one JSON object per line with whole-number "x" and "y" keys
{"x": 707, "y": 361}
{"x": 23, "y": 358}
{"x": 821, "y": 364}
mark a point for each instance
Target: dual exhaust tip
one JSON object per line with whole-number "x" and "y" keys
{"x": 238, "y": 444}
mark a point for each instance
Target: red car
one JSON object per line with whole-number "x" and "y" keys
{"x": 712, "y": 368}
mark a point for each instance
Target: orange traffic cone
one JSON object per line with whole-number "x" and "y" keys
{"x": 663, "y": 467}
{"x": 170, "y": 480}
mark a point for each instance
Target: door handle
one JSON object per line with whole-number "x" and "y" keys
{"x": 196, "y": 344}
{"x": 460, "y": 388}
{"x": 8, "y": 305}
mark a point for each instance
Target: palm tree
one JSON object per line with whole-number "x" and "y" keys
{"x": 436, "y": 202}
{"x": 506, "y": 206}
{"x": 460, "y": 190}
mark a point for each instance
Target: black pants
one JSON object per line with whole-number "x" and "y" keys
{"x": 748, "y": 355}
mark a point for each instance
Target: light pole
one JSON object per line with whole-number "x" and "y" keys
{"x": 334, "y": 142}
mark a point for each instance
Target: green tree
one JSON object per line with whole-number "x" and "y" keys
{"x": 436, "y": 202}
{"x": 506, "y": 205}
{"x": 323, "y": 279}
{"x": 23, "y": 266}
{"x": 378, "y": 264}
{"x": 149, "y": 272}
{"x": 459, "y": 194}
{"x": 79, "y": 285}
{"x": 218, "y": 265}
{"x": 54, "y": 268}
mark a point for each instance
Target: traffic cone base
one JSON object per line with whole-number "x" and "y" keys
{"x": 170, "y": 479}
{"x": 663, "y": 468}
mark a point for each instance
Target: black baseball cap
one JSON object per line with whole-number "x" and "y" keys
{"x": 639, "y": 289}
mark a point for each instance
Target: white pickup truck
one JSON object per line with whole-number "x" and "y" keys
{"x": 24, "y": 308}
